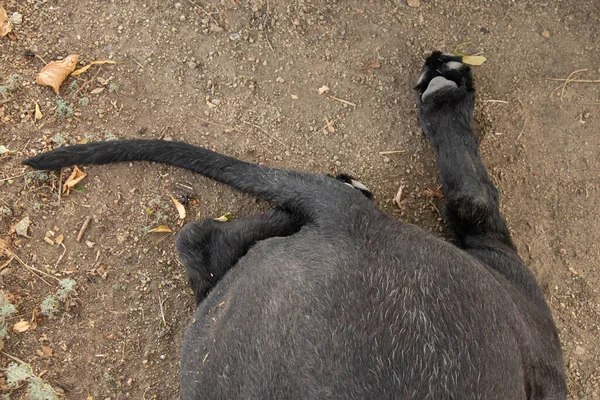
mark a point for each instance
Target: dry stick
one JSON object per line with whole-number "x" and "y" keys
{"x": 576, "y": 80}
{"x": 266, "y": 133}
{"x": 16, "y": 359}
{"x": 61, "y": 256}
{"x": 342, "y": 101}
{"x": 60, "y": 185}
{"x": 564, "y": 86}
{"x": 524, "y": 121}
{"x": 87, "y": 83}
{"x": 33, "y": 270}
{"x": 385, "y": 153}
{"x": 83, "y": 228}
{"x": 160, "y": 303}
{"x": 496, "y": 101}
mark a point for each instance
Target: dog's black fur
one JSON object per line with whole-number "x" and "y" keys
{"x": 327, "y": 297}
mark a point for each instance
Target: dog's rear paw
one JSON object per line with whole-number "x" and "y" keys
{"x": 444, "y": 79}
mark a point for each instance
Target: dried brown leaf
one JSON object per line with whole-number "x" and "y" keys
{"x": 55, "y": 73}
{"x": 73, "y": 179}
{"x": 5, "y": 24}
{"x": 161, "y": 228}
{"x": 180, "y": 208}
{"x": 59, "y": 239}
{"x": 98, "y": 90}
{"x": 21, "y": 326}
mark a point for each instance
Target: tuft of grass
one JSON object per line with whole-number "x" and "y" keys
{"x": 12, "y": 84}
{"x": 84, "y": 101}
{"x": 113, "y": 88}
{"x": 109, "y": 136}
{"x": 73, "y": 87}
{"x": 66, "y": 286}
{"x": 49, "y": 306}
{"x": 40, "y": 176}
{"x": 7, "y": 309}
{"x": 37, "y": 388}
{"x": 64, "y": 109}
{"x": 17, "y": 373}
{"x": 40, "y": 390}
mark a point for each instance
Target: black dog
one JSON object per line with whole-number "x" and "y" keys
{"x": 327, "y": 297}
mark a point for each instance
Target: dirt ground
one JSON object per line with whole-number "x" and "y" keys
{"x": 243, "y": 78}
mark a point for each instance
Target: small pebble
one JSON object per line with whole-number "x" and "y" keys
{"x": 546, "y": 34}
{"x": 280, "y": 80}
{"x": 16, "y": 18}
{"x": 192, "y": 65}
{"x": 413, "y": 3}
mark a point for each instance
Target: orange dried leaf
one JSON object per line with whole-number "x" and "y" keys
{"x": 180, "y": 208}
{"x": 73, "y": 179}
{"x": 83, "y": 69}
{"x": 161, "y": 228}
{"x": 55, "y": 73}
{"x": 5, "y": 24}
{"x": 21, "y": 326}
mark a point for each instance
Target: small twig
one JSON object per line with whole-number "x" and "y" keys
{"x": 342, "y": 100}
{"x": 523, "y": 114}
{"x": 160, "y": 303}
{"x": 83, "y": 228}
{"x": 564, "y": 86}
{"x": 385, "y": 153}
{"x": 576, "y": 80}
{"x": 266, "y": 133}
{"x": 16, "y": 359}
{"x": 33, "y": 270}
{"x": 60, "y": 186}
{"x": 88, "y": 82}
{"x": 136, "y": 61}
{"x": 220, "y": 125}
{"x": 61, "y": 256}
{"x": 496, "y": 101}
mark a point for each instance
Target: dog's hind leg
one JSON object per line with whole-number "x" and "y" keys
{"x": 208, "y": 249}
{"x": 446, "y": 100}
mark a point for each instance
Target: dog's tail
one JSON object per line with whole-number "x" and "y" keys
{"x": 295, "y": 191}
